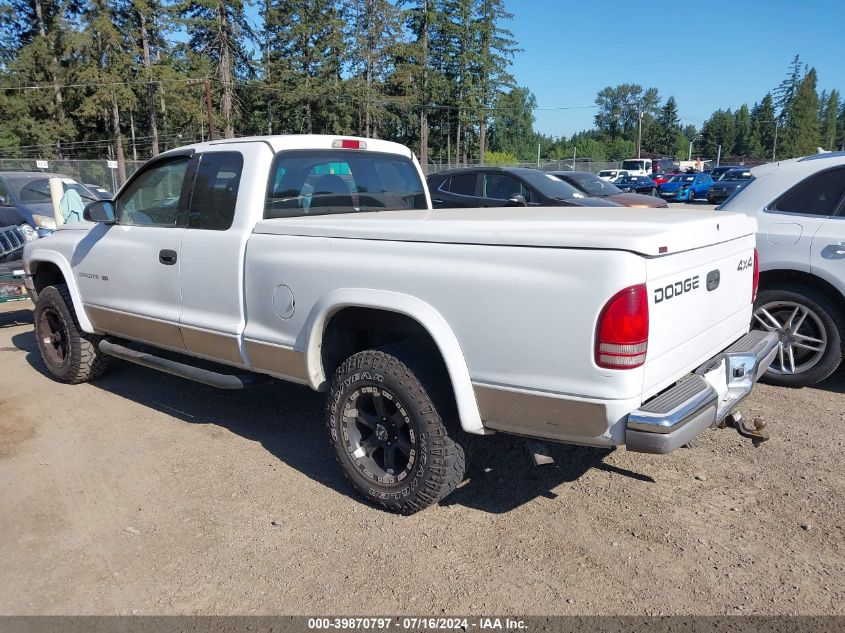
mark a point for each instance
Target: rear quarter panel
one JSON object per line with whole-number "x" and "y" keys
{"x": 524, "y": 317}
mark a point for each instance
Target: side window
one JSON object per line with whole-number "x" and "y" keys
{"x": 501, "y": 187}
{"x": 215, "y": 191}
{"x": 462, "y": 184}
{"x": 152, "y": 199}
{"x": 815, "y": 195}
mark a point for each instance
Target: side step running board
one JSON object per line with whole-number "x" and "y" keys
{"x": 211, "y": 378}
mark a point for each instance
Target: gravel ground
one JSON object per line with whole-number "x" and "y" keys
{"x": 143, "y": 493}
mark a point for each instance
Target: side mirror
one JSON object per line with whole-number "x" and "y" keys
{"x": 4, "y": 202}
{"x": 517, "y": 200}
{"x": 99, "y": 211}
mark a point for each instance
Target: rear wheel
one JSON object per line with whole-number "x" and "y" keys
{"x": 389, "y": 437}
{"x": 809, "y": 327}
{"x": 70, "y": 354}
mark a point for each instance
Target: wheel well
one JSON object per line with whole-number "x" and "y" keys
{"x": 770, "y": 277}
{"x": 47, "y": 274}
{"x": 352, "y": 330}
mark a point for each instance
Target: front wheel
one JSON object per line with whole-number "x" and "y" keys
{"x": 809, "y": 327}
{"x": 71, "y": 355}
{"x": 690, "y": 196}
{"x": 654, "y": 192}
{"x": 388, "y": 435}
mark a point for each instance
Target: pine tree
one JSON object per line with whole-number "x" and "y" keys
{"x": 801, "y": 135}
{"x": 840, "y": 128}
{"x": 496, "y": 49}
{"x": 763, "y": 124}
{"x": 108, "y": 60}
{"x": 669, "y": 128}
{"x": 146, "y": 18}
{"x": 305, "y": 52}
{"x": 828, "y": 120}
{"x": 418, "y": 78}
{"x": 37, "y": 35}
{"x": 219, "y": 30}
{"x": 721, "y": 129}
{"x": 459, "y": 34}
{"x": 742, "y": 126}
{"x": 785, "y": 93}
{"x": 512, "y": 128}
{"x": 375, "y": 28}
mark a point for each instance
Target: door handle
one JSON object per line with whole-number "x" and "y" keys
{"x": 167, "y": 257}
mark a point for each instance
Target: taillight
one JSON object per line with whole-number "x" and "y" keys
{"x": 756, "y": 283}
{"x": 622, "y": 332}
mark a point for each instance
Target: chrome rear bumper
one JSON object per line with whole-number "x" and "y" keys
{"x": 703, "y": 399}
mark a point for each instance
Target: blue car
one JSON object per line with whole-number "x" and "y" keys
{"x": 686, "y": 187}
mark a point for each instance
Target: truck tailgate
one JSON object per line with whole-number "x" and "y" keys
{"x": 699, "y": 303}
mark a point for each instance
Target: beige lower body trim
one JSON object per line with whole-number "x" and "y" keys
{"x": 538, "y": 414}
{"x": 284, "y": 362}
{"x": 136, "y": 327}
{"x": 223, "y": 347}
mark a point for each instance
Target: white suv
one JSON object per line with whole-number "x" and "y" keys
{"x": 800, "y": 207}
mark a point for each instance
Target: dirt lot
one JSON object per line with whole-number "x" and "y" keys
{"x": 142, "y": 493}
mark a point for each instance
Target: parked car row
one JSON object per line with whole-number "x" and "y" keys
{"x": 520, "y": 186}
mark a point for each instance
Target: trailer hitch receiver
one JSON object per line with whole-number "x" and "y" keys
{"x": 758, "y": 433}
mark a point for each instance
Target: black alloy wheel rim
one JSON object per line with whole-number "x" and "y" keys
{"x": 53, "y": 337}
{"x": 379, "y": 435}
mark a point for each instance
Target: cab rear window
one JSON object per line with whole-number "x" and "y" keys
{"x": 320, "y": 182}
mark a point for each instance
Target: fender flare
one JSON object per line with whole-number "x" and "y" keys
{"x": 429, "y": 318}
{"x": 39, "y": 256}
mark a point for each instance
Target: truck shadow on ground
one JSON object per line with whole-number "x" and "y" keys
{"x": 287, "y": 420}
{"x": 16, "y": 317}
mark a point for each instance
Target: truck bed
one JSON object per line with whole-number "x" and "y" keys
{"x": 650, "y": 232}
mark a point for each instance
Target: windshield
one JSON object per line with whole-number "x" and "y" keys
{"x": 736, "y": 175}
{"x": 628, "y": 180}
{"x": 319, "y": 182}
{"x": 37, "y": 190}
{"x": 633, "y": 165}
{"x": 590, "y": 184}
{"x": 550, "y": 185}
{"x": 682, "y": 178}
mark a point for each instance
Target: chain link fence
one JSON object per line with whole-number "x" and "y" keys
{"x": 94, "y": 172}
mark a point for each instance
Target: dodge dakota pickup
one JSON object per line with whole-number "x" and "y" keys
{"x": 319, "y": 260}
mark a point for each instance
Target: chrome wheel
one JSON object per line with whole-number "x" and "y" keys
{"x": 802, "y": 336}
{"x": 379, "y": 435}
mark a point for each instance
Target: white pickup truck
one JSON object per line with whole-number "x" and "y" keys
{"x": 319, "y": 260}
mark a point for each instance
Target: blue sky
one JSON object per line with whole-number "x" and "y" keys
{"x": 709, "y": 55}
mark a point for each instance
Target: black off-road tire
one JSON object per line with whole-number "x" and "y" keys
{"x": 82, "y": 359}
{"x": 440, "y": 463}
{"x": 832, "y": 318}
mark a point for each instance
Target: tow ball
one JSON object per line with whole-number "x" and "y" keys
{"x": 758, "y": 434}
